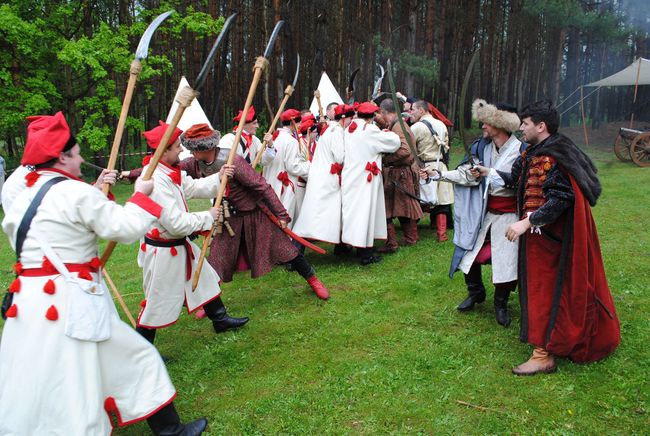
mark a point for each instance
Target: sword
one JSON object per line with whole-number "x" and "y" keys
{"x": 291, "y": 234}
{"x": 410, "y": 194}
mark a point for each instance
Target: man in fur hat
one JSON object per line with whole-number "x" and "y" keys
{"x": 60, "y": 373}
{"x": 567, "y": 308}
{"x": 481, "y": 220}
{"x": 257, "y": 243}
{"x": 167, "y": 257}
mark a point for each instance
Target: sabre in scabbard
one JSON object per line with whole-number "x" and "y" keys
{"x": 261, "y": 63}
{"x": 184, "y": 99}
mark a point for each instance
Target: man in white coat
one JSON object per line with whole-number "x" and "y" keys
{"x": 362, "y": 189}
{"x": 249, "y": 144}
{"x": 484, "y": 211}
{"x": 289, "y": 164}
{"x": 320, "y": 215}
{"x": 58, "y": 374}
{"x": 167, "y": 257}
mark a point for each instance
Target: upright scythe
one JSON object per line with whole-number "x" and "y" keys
{"x": 350, "y": 88}
{"x": 187, "y": 95}
{"x": 261, "y": 63}
{"x": 288, "y": 91}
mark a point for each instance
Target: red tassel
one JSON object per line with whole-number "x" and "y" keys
{"x": 143, "y": 303}
{"x": 143, "y": 247}
{"x": 15, "y": 285}
{"x": 49, "y": 287}
{"x": 95, "y": 262}
{"x": 275, "y": 134}
{"x": 155, "y": 233}
{"x": 47, "y": 266}
{"x": 18, "y": 268}
{"x": 352, "y": 127}
{"x": 31, "y": 178}
{"x": 12, "y": 312}
{"x": 85, "y": 275}
{"x": 173, "y": 251}
{"x": 52, "y": 314}
{"x": 369, "y": 177}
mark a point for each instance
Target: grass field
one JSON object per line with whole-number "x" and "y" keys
{"x": 389, "y": 353}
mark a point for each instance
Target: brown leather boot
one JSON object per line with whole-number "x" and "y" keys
{"x": 441, "y": 223}
{"x": 540, "y": 362}
{"x": 391, "y": 240}
{"x": 410, "y": 229}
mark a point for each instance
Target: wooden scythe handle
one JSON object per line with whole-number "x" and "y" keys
{"x": 184, "y": 100}
{"x": 287, "y": 93}
{"x": 119, "y": 298}
{"x": 320, "y": 106}
{"x": 136, "y": 67}
{"x": 260, "y": 65}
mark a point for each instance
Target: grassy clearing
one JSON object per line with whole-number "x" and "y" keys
{"x": 390, "y": 354}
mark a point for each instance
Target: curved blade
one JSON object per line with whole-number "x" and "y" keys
{"x": 351, "y": 81}
{"x": 295, "y": 77}
{"x": 377, "y": 88}
{"x": 461, "y": 104}
{"x": 143, "y": 46}
{"x": 274, "y": 35}
{"x": 200, "y": 79}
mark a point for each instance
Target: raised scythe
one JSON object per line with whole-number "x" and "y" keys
{"x": 377, "y": 89}
{"x": 350, "y": 89}
{"x": 461, "y": 104}
{"x": 185, "y": 98}
{"x": 261, "y": 63}
{"x": 288, "y": 91}
{"x": 136, "y": 66}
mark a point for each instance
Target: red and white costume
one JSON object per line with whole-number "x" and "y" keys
{"x": 51, "y": 383}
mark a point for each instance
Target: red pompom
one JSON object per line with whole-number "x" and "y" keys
{"x": 47, "y": 266}
{"x": 173, "y": 251}
{"x": 352, "y": 127}
{"x": 95, "y": 262}
{"x": 155, "y": 233}
{"x": 15, "y": 285}
{"x": 85, "y": 275}
{"x": 49, "y": 287}
{"x": 18, "y": 268}
{"x": 143, "y": 303}
{"x": 12, "y": 312}
{"x": 31, "y": 178}
{"x": 369, "y": 177}
{"x": 143, "y": 247}
{"x": 52, "y": 314}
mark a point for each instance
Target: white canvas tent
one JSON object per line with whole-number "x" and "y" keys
{"x": 328, "y": 94}
{"x": 637, "y": 73}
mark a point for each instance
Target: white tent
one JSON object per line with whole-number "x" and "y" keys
{"x": 328, "y": 94}
{"x": 193, "y": 115}
{"x": 637, "y": 73}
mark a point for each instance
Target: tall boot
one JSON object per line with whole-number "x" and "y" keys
{"x": 391, "y": 240}
{"x": 304, "y": 268}
{"x": 410, "y": 229}
{"x": 367, "y": 256}
{"x": 540, "y": 362}
{"x": 166, "y": 422}
{"x": 147, "y": 333}
{"x": 501, "y": 295}
{"x": 221, "y": 322}
{"x": 475, "y": 289}
{"x": 441, "y": 224}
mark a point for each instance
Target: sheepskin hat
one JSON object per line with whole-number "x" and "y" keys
{"x": 500, "y": 118}
{"x": 200, "y": 137}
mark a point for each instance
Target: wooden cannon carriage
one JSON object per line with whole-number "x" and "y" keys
{"x": 634, "y": 145}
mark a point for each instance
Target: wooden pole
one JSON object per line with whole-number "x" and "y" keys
{"x": 287, "y": 93}
{"x": 261, "y": 63}
{"x": 636, "y": 89}
{"x": 582, "y": 109}
{"x": 117, "y": 295}
{"x": 320, "y": 106}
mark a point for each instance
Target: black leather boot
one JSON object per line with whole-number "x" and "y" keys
{"x": 475, "y": 289}
{"x": 166, "y": 422}
{"x": 147, "y": 333}
{"x": 501, "y": 296}
{"x": 221, "y": 322}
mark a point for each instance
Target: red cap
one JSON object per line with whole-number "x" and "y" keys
{"x": 343, "y": 111}
{"x": 47, "y": 137}
{"x": 367, "y": 108}
{"x": 308, "y": 121}
{"x": 290, "y": 114}
{"x": 249, "y": 117}
{"x": 154, "y": 135}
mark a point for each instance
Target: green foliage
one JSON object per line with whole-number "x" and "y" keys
{"x": 420, "y": 66}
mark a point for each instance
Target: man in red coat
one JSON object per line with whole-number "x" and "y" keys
{"x": 566, "y": 305}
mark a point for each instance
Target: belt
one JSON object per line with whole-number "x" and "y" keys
{"x": 170, "y": 243}
{"x": 72, "y": 267}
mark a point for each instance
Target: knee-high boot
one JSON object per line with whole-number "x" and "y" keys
{"x": 304, "y": 268}
{"x": 147, "y": 333}
{"x": 475, "y": 289}
{"x": 221, "y": 322}
{"x": 441, "y": 222}
{"x": 391, "y": 239}
{"x": 166, "y": 422}
{"x": 410, "y": 229}
{"x": 501, "y": 295}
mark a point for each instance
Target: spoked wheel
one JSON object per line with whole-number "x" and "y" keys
{"x": 640, "y": 150}
{"x": 622, "y": 148}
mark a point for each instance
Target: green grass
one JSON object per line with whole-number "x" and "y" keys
{"x": 389, "y": 353}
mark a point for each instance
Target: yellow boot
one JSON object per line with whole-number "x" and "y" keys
{"x": 541, "y": 361}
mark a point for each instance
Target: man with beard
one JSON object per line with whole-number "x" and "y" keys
{"x": 566, "y": 305}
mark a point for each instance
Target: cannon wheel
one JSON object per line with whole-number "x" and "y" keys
{"x": 640, "y": 150}
{"x": 622, "y": 148}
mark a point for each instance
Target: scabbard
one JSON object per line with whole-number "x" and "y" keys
{"x": 291, "y": 234}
